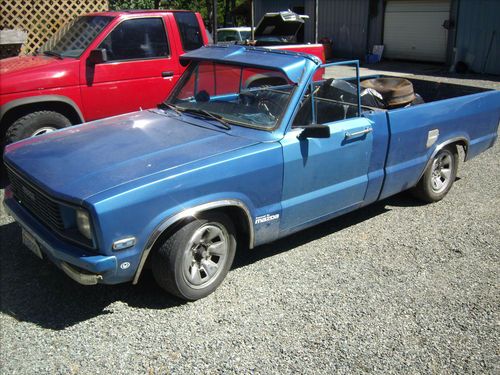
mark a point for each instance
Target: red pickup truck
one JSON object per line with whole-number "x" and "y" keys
{"x": 100, "y": 65}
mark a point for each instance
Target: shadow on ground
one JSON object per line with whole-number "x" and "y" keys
{"x": 36, "y": 291}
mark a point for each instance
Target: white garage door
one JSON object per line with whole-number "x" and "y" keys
{"x": 413, "y": 29}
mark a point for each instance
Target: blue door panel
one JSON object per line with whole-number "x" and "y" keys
{"x": 324, "y": 176}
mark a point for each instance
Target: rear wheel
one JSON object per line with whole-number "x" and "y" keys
{"x": 36, "y": 123}
{"x": 194, "y": 261}
{"x": 439, "y": 176}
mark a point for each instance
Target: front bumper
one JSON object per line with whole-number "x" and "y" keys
{"x": 81, "y": 265}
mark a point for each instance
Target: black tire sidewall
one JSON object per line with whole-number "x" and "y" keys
{"x": 168, "y": 262}
{"x": 25, "y": 126}
{"x": 427, "y": 192}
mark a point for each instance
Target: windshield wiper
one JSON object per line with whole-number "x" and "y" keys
{"x": 52, "y": 53}
{"x": 218, "y": 118}
{"x": 170, "y": 106}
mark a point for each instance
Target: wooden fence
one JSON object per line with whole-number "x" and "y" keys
{"x": 42, "y": 18}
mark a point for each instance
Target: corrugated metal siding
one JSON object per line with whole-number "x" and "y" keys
{"x": 375, "y": 23}
{"x": 343, "y": 21}
{"x": 478, "y": 35}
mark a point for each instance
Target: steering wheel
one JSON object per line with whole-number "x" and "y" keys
{"x": 267, "y": 103}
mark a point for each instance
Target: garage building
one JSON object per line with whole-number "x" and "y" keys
{"x": 442, "y": 31}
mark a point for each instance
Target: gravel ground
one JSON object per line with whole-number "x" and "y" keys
{"x": 396, "y": 287}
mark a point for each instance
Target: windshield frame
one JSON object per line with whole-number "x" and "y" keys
{"x": 50, "y": 43}
{"x": 194, "y": 66}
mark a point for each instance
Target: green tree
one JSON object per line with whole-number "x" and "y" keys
{"x": 204, "y": 7}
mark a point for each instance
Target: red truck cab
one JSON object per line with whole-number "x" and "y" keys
{"x": 109, "y": 63}
{"x": 99, "y": 65}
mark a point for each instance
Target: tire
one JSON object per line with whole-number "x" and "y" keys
{"x": 439, "y": 176}
{"x": 195, "y": 259}
{"x": 36, "y": 123}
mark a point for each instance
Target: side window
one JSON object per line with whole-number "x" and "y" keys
{"x": 140, "y": 38}
{"x": 334, "y": 99}
{"x": 189, "y": 30}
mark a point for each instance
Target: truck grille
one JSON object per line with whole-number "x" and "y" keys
{"x": 37, "y": 202}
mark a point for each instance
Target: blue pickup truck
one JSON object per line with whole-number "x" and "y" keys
{"x": 249, "y": 147}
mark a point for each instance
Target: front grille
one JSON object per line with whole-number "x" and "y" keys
{"x": 37, "y": 202}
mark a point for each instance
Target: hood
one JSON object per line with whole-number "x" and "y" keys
{"x": 280, "y": 26}
{"x": 26, "y": 73}
{"x": 81, "y": 161}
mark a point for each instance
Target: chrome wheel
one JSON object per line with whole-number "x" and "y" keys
{"x": 442, "y": 168}
{"x": 44, "y": 130}
{"x": 205, "y": 255}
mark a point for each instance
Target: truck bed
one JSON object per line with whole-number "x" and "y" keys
{"x": 464, "y": 114}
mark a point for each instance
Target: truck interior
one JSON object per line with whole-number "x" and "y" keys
{"x": 337, "y": 99}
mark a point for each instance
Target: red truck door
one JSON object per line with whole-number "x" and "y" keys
{"x": 141, "y": 69}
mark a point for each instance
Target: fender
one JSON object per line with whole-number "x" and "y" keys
{"x": 39, "y": 99}
{"x": 441, "y": 146}
{"x": 192, "y": 212}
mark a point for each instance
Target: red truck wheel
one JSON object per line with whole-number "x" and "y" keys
{"x": 36, "y": 123}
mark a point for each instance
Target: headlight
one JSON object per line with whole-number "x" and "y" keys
{"x": 83, "y": 223}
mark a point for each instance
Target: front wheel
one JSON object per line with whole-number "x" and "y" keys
{"x": 36, "y": 123}
{"x": 194, "y": 260}
{"x": 439, "y": 175}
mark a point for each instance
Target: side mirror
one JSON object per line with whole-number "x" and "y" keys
{"x": 97, "y": 56}
{"x": 315, "y": 131}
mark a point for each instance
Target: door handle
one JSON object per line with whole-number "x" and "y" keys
{"x": 167, "y": 74}
{"x": 349, "y": 135}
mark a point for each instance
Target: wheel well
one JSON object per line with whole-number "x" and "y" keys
{"x": 17, "y": 112}
{"x": 236, "y": 215}
{"x": 464, "y": 145}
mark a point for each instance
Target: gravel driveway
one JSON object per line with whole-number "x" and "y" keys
{"x": 396, "y": 287}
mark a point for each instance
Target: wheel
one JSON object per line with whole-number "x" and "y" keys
{"x": 439, "y": 175}
{"x": 36, "y": 123}
{"x": 193, "y": 261}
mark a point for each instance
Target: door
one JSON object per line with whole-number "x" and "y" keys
{"x": 139, "y": 73}
{"x": 324, "y": 176}
{"x": 414, "y": 30}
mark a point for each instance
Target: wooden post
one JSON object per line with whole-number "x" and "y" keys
{"x": 252, "y": 14}
{"x": 214, "y": 21}
{"x": 316, "y": 21}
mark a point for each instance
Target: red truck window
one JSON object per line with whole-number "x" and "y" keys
{"x": 74, "y": 38}
{"x": 140, "y": 38}
{"x": 189, "y": 29}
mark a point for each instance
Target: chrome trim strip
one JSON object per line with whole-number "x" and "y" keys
{"x": 349, "y": 135}
{"x": 192, "y": 212}
{"x": 440, "y": 146}
{"x": 79, "y": 277}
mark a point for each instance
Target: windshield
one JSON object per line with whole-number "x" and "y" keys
{"x": 239, "y": 95}
{"x": 245, "y": 35}
{"x": 74, "y": 38}
{"x": 227, "y": 35}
